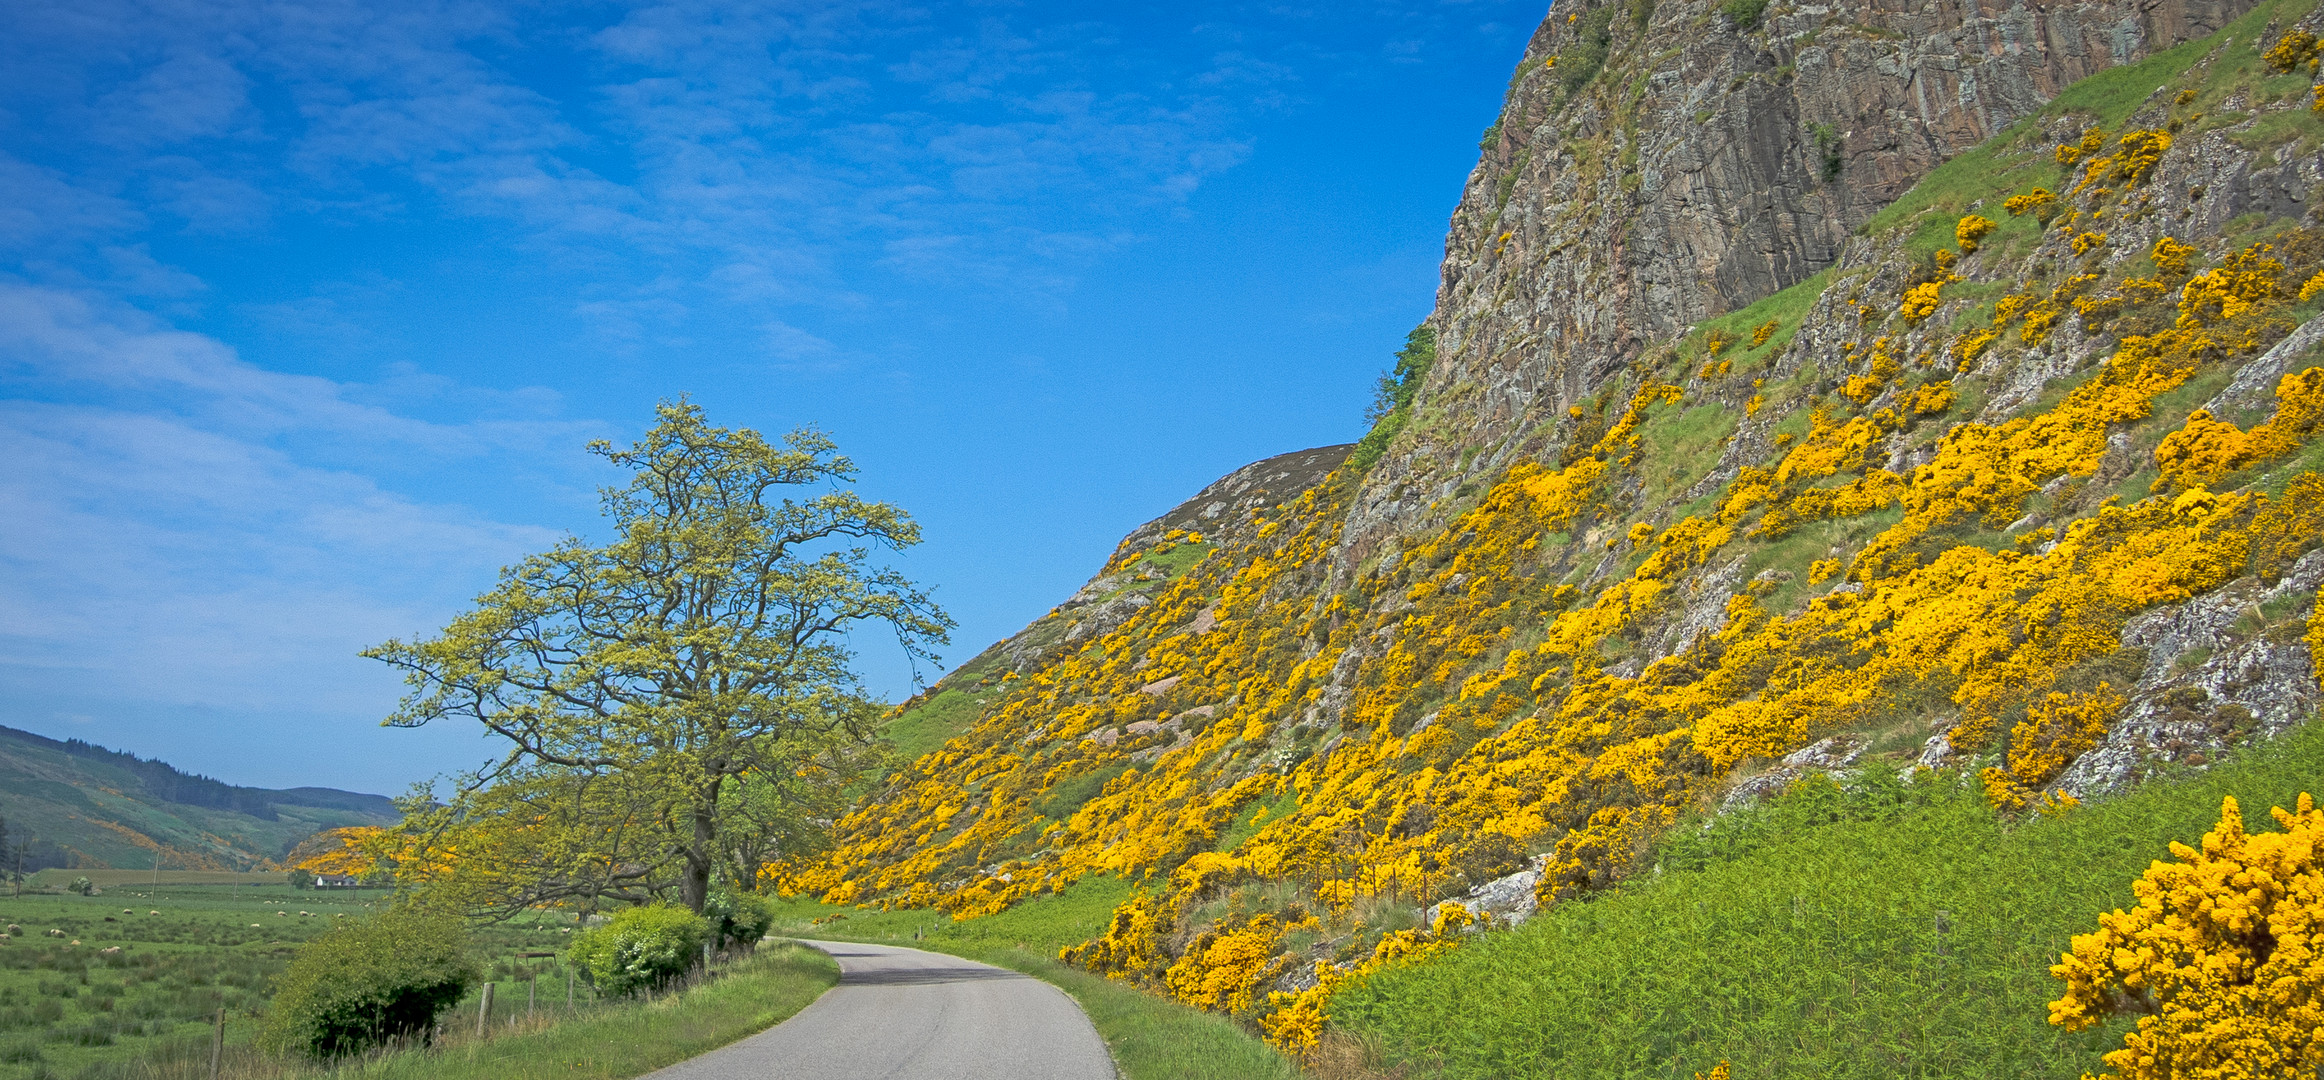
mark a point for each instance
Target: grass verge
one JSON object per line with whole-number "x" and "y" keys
{"x": 614, "y": 1041}
{"x": 1150, "y": 1037}
{"x": 1899, "y": 931}
{"x": 635, "y": 1038}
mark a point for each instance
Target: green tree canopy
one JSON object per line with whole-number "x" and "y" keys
{"x": 675, "y": 701}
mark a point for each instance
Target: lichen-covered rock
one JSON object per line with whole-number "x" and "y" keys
{"x": 2218, "y": 672}
{"x": 1504, "y": 901}
{"x": 1829, "y": 755}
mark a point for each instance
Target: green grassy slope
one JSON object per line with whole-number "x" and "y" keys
{"x": 1895, "y": 932}
{"x": 104, "y": 814}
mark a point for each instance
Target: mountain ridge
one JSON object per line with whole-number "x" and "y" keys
{"x": 106, "y": 808}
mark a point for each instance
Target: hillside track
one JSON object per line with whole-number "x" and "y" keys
{"x": 906, "y": 1014}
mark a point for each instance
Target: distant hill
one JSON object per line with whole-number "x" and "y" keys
{"x": 92, "y": 807}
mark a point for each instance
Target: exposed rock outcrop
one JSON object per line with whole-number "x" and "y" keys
{"x": 2216, "y": 676}
{"x": 1655, "y": 164}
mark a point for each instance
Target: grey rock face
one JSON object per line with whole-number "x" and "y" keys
{"x": 1701, "y": 169}
{"x": 2253, "y": 393}
{"x": 1829, "y": 755}
{"x": 1503, "y": 901}
{"x": 2211, "y": 681}
{"x": 1704, "y": 598}
{"x": 1222, "y": 511}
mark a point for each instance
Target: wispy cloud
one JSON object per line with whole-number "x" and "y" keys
{"x": 172, "y": 544}
{"x": 181, "y": 181}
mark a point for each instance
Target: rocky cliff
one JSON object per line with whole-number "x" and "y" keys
{"x": 1929, "y": 391}
{"x": 1659, "y": 164}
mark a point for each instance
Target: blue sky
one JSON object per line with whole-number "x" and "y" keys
{"x": 307, "y": 308}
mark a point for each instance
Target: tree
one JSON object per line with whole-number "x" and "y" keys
{"x": 638, "y": 683}
{"x": 2222, "y": 961}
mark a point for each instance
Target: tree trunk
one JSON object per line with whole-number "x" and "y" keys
{"x": 702, "y": 853}
{"x": 699, "y": 857}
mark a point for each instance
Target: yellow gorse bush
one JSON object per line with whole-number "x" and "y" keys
{"x": 1919, "y": 302}
{"x": 2092, "y": 141}
{"x": 2206, "y": 450}
{"x": 2222, "y": 960}
{"x": 1971, "y": 229}
{"x": 2294, "y": 50}
{"x": 2052, "y": 735}
{"x": 2135, "y": 156}
{"x": 2030, "y": 202}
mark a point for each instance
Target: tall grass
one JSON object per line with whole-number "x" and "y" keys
{"x": 608, "y": 1041}
{"x": 1893, "y": 932}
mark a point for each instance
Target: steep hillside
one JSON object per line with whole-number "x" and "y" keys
{"x": 103, "y": 808}
{"x": 1150, "y": 558}
{"x": 1810, "y": 386}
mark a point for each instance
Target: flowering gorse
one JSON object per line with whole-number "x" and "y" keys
{"x": 2222, "y": 960}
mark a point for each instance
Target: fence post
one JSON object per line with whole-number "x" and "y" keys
{"x": 568, "y": 989}
{"x": 218, "y": 1045}
{"x": 532, "y": 994}
{"x": 483, "y": 1010}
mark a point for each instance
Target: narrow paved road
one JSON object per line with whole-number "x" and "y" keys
{"x": 904, "y": 1014}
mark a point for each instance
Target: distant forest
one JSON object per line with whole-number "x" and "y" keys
{"x": 22, "y": 853}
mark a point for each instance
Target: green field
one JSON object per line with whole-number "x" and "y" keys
{"x": 107, "y": 879}
{"x": 70, "y": 1010}
{"x": 612, "y": 1041}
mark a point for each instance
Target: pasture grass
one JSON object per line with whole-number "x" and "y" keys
{"x": 597, "y": 1041}
{"x": 1891, "y": 931}
{"x": 69, "y": 1010}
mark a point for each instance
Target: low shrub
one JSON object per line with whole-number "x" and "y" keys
{"x": 363, "y": 984}
{"x": 738, "y": 918}
{"x": 1745, "y": 14}
{"x": 640, "y": 948}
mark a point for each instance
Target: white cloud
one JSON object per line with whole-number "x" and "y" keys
{"x": 186, "y": 96}
{"x": 168, "y": 550}
{"x": 40, "y": 208}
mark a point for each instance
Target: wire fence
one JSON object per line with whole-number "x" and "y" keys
{"x": 539, "y": 997}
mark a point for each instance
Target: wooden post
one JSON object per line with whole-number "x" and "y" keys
{"x": 568, "y": 989}
{"x": 532, "y": 994}
{"x": 483, "y": 1010}
{"x": 218, "y": 1045}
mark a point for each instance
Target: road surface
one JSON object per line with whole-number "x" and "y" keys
{"x": 904, "y": 1014}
